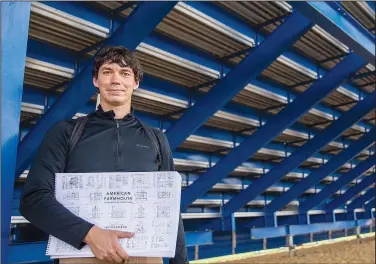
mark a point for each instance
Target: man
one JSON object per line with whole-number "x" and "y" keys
{"x": 112, "y": 140}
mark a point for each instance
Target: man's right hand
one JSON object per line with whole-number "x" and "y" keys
{"x": 105, "y": 244}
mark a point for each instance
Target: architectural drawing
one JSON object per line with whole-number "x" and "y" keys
{"x": 164, "y": 194}
{"x": 140, "y": 228}
{"x": 123, "y": 201}
{"x": 163, "y": 211}
{"x": 140, "y": 211}
{"x": 95, "y": 197}
{"x": 141, "y": 195}
{"x": 72, "y": 182}
{"x": 117, "y": 212}
{"x": 117, "y": 181}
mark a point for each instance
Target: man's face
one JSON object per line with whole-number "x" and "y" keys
{"x": 115, "y": 83}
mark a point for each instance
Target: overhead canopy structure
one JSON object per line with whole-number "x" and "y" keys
{"x": 269, "y": 107}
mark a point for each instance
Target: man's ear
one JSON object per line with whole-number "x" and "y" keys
{"x": 95, "y": 82}
{"x": 137, "y": 84}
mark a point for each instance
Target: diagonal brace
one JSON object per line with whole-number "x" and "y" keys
{"x": 249, "y": 68}
{"x": 345, "y": 179}
{"x": 350, "y": 193}
{"x": 328, "y": 168}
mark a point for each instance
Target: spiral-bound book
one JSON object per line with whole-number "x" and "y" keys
{"x": 146, "y": 203}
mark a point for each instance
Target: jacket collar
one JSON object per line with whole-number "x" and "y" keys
{"x": 111, "y": 114}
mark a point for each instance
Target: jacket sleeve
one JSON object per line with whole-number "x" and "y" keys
{"x": 181, "y": 256}
{"x": 38, "y": 204}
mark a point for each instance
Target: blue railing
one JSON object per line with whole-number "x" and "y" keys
{"x": 289, "y": 231}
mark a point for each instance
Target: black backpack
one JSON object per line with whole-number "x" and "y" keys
{"x": 81, "y": 122}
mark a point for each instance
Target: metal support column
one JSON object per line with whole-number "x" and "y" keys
{"x": 15, "y": 18}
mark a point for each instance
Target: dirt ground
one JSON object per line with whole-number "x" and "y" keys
{"x": 342, "y": 252}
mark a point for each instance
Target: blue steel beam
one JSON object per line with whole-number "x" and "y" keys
{"x": 28, "y": 253}
{"x": 339, "y": 26}
{"x": 139, "y": 25}
{"x": 358, "y": 202}
{"x": 329, "y": 190}
{"x": 274, "y": 127}
{"x": 350, "y": 193}
{"x": 173, "y": 46}
{"x": 14, "y": 33}
{"x": 249, "y": 68}
{"x": 316, "y": 176}
{"x": 371, "y": 4}
{"x": 303, "y": 153}
{"x": 370, "y": 204}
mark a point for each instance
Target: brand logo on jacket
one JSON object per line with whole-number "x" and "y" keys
{"x": 142, "y": 146}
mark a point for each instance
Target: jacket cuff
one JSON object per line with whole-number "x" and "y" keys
{"x": 79, "y": 242}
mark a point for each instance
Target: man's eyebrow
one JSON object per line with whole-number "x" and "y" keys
{"x": 126, "y": 69}
{"x": 106, "y": 68}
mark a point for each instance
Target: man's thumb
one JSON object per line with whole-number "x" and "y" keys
{"x": 123, "y": 234}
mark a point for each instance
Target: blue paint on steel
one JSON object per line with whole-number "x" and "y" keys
{"x": 51, "y": 54}
{"x": 297, "y": 108}
{"x": 178, "y": 91}
{"x": 358, "y": 202}
{"x": 147, "y": 14}
{"x": 325, "y": 169}
{"x": 346, "y": 15}
{"x": 337, "y": 25}
{"x": 225, "y": 17}
{"x": 151, "y": 84}
{"x": 237, "y": 79}
{"x": 271, "y": 219}
{"x": 14, "y": 31}
{"x": 303, "y": 218}
{"x": 350, "y": 193}
{"x": 198, "y": 238}
{"x": 363, "y": 222}
{"x": 371, "y": 4}
{"x": 268, "y": 232}
{"x": 315, "y": 228}
{"x": 345, "y": 179}
{"x": 187, "y": 52}
{"x": 27, "y": 253}
{"x": 233, "y": 222}
{"x": 370, "y": 204}
{"x": 294, "y": 230}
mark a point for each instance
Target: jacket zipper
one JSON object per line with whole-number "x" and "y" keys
{"x": 117, "y": 146}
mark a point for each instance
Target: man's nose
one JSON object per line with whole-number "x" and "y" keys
{"x": 115, "y": 78}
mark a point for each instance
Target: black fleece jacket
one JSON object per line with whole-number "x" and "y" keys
{"x": 106, "y": 145}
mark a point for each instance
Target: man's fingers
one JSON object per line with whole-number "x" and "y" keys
{"x": 117, "y": 257}
{"x": 122, "y": 253}
{"x": 109, "y": 259}
{"x": 122, "y": 234}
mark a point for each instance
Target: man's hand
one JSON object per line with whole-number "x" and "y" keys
{"x": 105, "y": 244}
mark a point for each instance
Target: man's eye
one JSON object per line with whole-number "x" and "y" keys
{"x": 125, "y": 73}
{"x": 106, "y": 72}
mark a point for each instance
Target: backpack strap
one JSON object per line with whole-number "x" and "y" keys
{"x": 153, "y": 137}
{"x": 77, "y": 132}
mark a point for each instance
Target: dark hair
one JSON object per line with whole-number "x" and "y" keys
{"x": 119, "y": 55}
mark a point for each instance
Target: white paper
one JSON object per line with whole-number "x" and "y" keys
{"x": 146, "y": 203}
